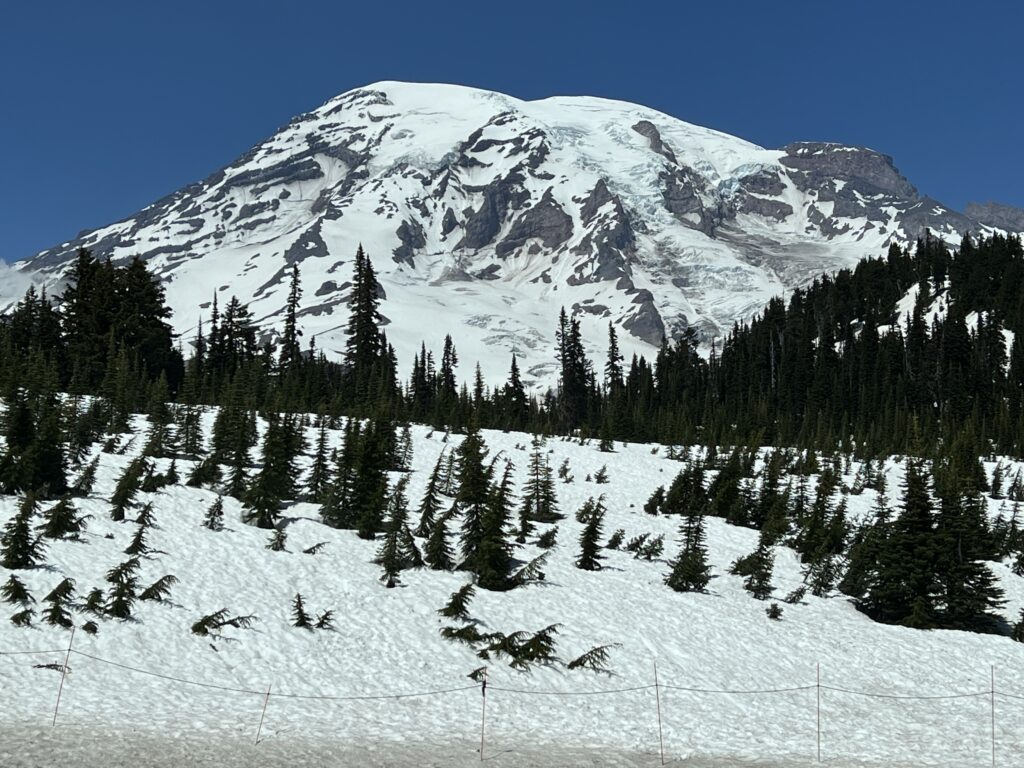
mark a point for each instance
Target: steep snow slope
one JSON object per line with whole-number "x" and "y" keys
{"x": 485, "y": 214}
{"x": 387, "y": 643}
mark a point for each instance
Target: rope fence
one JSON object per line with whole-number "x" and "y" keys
{"x": 657, "y": 686}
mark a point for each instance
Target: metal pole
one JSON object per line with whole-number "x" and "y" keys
{"x": 263, "y": 714}
{"x": 657, "y": 699}
{"x": 63, "y": 674}
{"x": 818, "y": 690}
{"x": 483, "y": 712}
{"x": 993, "y": 669}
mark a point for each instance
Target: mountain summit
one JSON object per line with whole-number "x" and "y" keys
{"x": 485, "y": 214}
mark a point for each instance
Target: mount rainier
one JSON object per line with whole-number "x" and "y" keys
{"x": 485, "y": 214}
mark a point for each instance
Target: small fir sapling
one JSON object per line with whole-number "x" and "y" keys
{"x": 548, "y": 539}
{"x": 300, "y": 618}
{"x": 214, "y": 517}
{"x": 278, "y": 540}
{"x": 457, "y": 606}
{"x": 59, "y": 599}
{"x": 15, "y": 592}
{"x": 160, "y": 590}
{"x": 596, "y": 659}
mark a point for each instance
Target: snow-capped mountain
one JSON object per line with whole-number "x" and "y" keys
{"x": 485, "y": 214}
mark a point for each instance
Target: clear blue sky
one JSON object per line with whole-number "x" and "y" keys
{"x": 106, "y": 106}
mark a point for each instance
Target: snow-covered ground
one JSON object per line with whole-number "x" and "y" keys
{"x": 387, "y": 643}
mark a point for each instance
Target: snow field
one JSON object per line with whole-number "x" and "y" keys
{"x": 387, "y": 643}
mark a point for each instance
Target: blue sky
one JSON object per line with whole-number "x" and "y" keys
{"x": 106, "y": 106}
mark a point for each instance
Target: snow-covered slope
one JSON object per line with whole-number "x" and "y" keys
{"x": 387, "y": 642}
{"x": 485, "y": 214}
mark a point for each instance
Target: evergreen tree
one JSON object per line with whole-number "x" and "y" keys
{"x": 968, "y": 590}
{"x": 318, "y": 482}
{"x": 189, "y": 430}
{"x": 438, "y": 553}
{"x": 127, "y": 488}
{"x": 214, "y": 517}
{"x": 82, "y": 487}
{"x": 491, "y": 561}
{"x": 539, "y": 503}
{"x": 160, "y": 590}
{"x": 122, "y": 595}
{"x": 275, "y": 481}
{"x": 515, "y": 404}
{"x": 473, "y": 496}
{"x": 15, "y": 592}
{"x": 904, "y": 587}
{"x": 159, "y": 440}
{"x": 397, "y": 551}
{"x": 300, "y": 618}
{"x": 430, "y": 506}
{"x": 57, "y": 614}
{"x": 690, "y": 570}
{"x": 457, "y": 606}
{"x": 290, "y": 357}
{"x": 867, "y": 545}
{"x": 590, "y": 548}
{"x": 62, "y": 521}
{"x": 19, "y": 547}
{"x": 369, "y": 370}
{"x": 756, "y": 570}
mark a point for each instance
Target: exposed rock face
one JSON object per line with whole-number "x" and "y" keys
{"x": 865, "y": 169}
{"x": 410, "y": 234}
{"x": 545, "y": 221}
{"x": 484, "y": 215}
{"x": 997, "y": 215}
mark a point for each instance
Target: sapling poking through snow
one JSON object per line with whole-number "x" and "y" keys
{"x": 19, "y": 546}
{"x": 95, "y": 602}
{"x": 458, "y": 604}
{"x": 82, "y": 487}
{"x": 128, "y": 486}
{"x": 122, "y": 595}
{"x": 300, "y": 618}
{"x": 531, "y": 573}
{"x": 209, "y": 624}
{"x": 62, "y": 521}
{"x": 15, "y": 592}
{"x": 214, "y": 517}
{"x": 159, "y": 590}
{"x": 438, "y": 553}
{"x": 57, "y": 614}
{"x": 277, "y": 542}
{"x": 548, "y": 539}
{"x": 590, "y": 547}
{"x": 138, "y": 545}
{"x": 596, "y": 659}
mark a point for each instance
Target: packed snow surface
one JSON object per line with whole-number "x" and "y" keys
{"x": 387, "y": 643}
